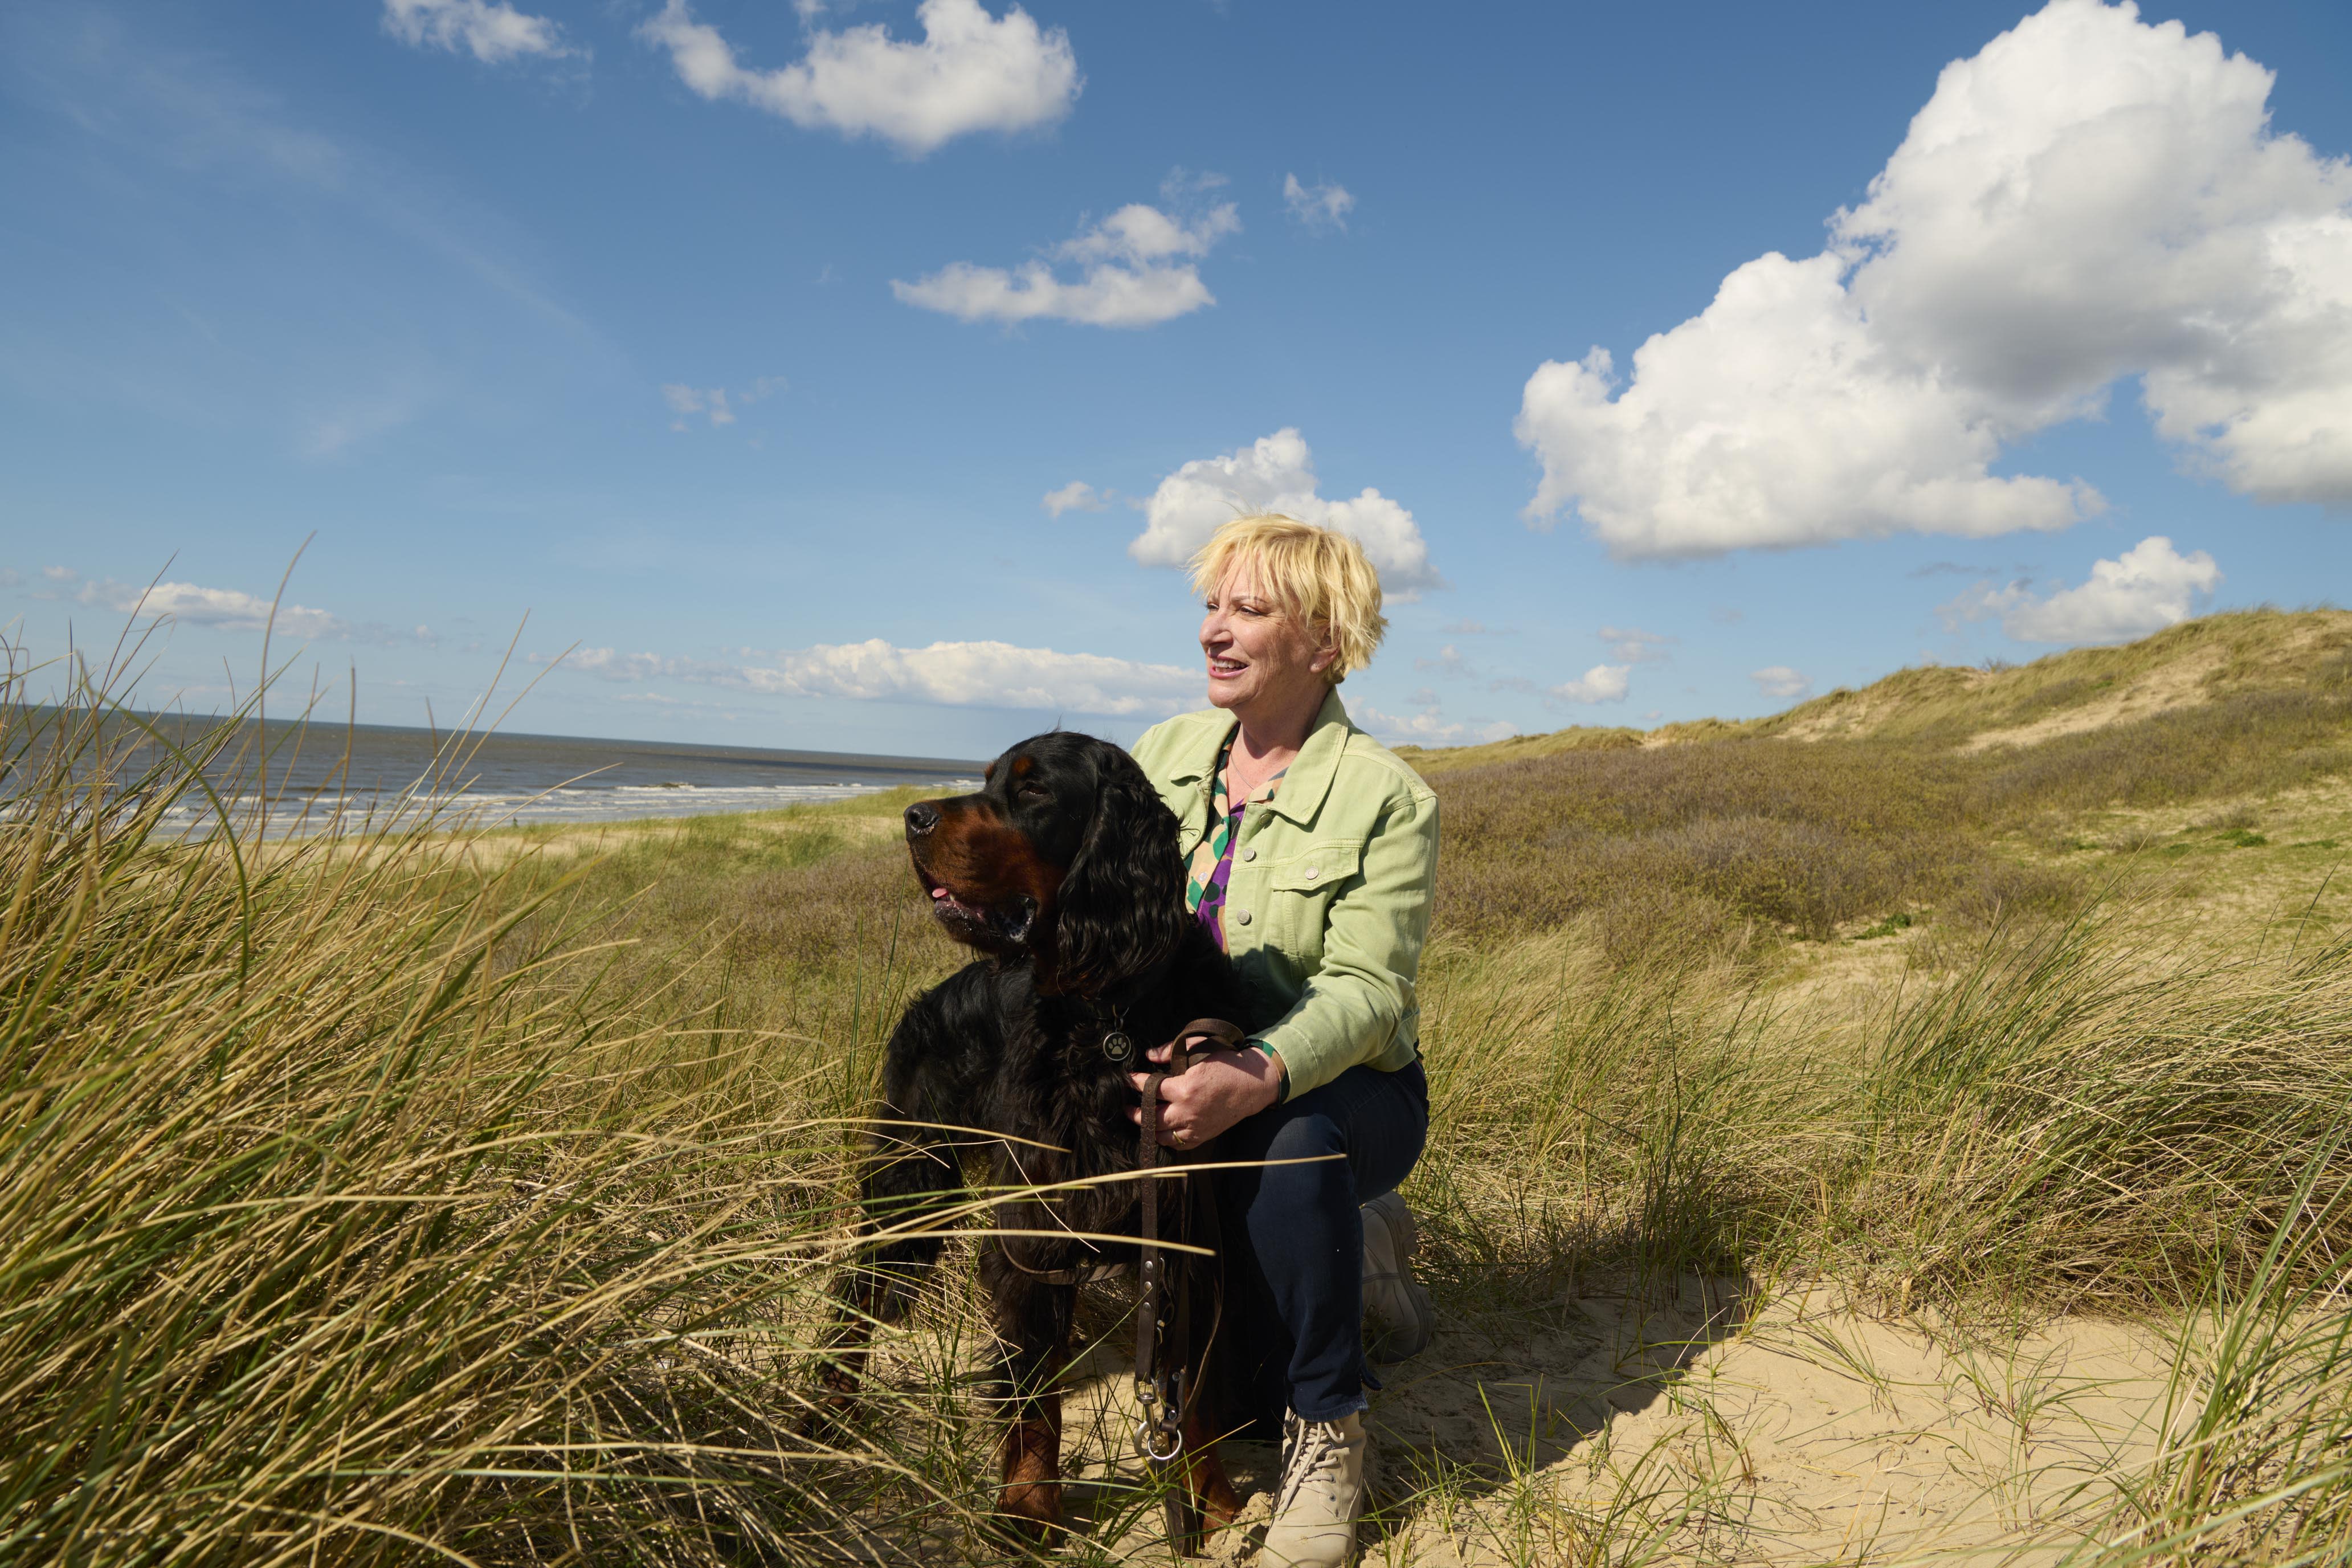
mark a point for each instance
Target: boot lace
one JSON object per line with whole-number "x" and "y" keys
{"x": 1311, "y": 1450}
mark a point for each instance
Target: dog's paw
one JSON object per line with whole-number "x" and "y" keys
{"x": 1030, "y": 1500}
{"x": 834, "y": 1403}
{"x": 1032, "y": 1511}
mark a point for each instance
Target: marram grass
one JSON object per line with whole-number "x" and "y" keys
{"x": 418, "y": 1194}
{"x": 330, "y": 1230}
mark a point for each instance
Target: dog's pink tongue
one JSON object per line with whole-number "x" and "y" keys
{"x": 939, "y": 892}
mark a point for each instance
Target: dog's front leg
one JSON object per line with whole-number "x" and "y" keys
{"x": 1205, "y": 1501}
{"x": 907, "y": 1175}
{"x": 1032, "y": 1318}
{"x": 1032, "y": 1467}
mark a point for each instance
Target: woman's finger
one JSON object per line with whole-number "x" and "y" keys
{"x": 1173, "y": 1134}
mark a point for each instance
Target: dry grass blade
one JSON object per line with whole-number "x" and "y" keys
{"x": 336, "y": 1229}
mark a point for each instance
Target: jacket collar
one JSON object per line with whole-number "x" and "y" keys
{"x": 1309, "y": 778}
{"x": 1318, "y": 763}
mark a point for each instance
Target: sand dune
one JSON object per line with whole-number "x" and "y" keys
{"x": 1723, "y": 1426}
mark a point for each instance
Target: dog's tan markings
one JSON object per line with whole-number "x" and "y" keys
{"x": 1033, "y": 1470}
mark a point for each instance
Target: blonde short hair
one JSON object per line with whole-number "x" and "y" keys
{"x": 1318, "y": 576}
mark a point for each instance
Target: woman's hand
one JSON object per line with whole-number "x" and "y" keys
{"x": 1217, "y": 1089}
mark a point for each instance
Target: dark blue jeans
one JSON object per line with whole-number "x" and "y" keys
{"x": 1305, "y": 1237}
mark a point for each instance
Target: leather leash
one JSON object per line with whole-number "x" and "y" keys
{"x": 1165, "y": 1393}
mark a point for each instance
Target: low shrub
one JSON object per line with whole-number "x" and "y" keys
{"x": 2252, "y": 742}
{"x": 1788, "y": 835}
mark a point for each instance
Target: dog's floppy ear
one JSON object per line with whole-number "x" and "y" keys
{"x": 1121, "y": 905}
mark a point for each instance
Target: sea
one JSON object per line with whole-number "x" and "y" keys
{"x": 318, "y": 777}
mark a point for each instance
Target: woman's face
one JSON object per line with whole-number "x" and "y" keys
{"x": 1258, "y": 656}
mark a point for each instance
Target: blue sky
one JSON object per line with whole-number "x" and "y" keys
{"x": 451, "y": 287}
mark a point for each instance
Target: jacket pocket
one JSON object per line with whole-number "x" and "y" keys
{"x": 1319, "y": 867}
{"x": 1300, "y": 890}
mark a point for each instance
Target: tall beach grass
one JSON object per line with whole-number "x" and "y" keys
{"x": 424, "y": 1193}
{"x": 333, "y": 1228}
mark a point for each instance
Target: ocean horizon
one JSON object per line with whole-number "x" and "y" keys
{"x": 307, "y": 777}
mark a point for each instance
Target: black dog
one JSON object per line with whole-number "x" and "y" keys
{"x": 1063, "y": 871}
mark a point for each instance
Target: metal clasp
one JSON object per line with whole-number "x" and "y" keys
{"x": 1144, "y": 1431}
{"x": 1169, "y": 1419}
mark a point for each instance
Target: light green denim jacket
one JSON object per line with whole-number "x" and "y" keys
{"x": 1328, "y": 904}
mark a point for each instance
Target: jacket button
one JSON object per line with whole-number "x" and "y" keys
{"x": 1311, "y": 873}
{"x": 1242, "y": 915}
{"x": 1250, "y": 854}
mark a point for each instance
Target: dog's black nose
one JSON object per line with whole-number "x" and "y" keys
{"x": 921, "y": 817}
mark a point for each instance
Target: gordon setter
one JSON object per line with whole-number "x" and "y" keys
{"x": 1063, "y": 873}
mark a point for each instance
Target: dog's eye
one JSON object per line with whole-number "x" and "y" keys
{"x": 1033, "y": 789}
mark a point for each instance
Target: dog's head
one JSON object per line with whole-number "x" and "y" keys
{"x": 1064, "y": 856}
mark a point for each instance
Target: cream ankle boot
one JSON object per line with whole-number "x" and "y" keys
{"x": 1322, "y": 1492}
{"x": 1399, "y": 1316}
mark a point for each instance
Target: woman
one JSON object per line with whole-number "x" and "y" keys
{"x": 1314, "y": 851}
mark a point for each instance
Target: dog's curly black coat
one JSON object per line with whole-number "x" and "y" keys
{"x": 1063, "y": 872}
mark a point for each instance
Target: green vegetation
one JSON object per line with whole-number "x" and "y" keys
{"x": 480, "y": 1189}
{"x": 339, "y": 1216}
{"x": 1732, "y": 840}
{"x": 2242, "y": 653}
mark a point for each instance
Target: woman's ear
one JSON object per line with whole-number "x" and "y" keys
{"x": 1327, "y": 655}
{"x": 1121, "y": 905}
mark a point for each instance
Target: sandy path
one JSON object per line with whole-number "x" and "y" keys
{"x": 1806, "y": 1432}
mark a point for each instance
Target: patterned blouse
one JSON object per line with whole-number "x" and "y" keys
{"x": 1212, "y": 859}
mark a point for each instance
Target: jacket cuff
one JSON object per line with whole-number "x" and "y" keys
{"x": 1281, "y": 1071}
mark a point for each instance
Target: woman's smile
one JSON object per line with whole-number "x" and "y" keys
{"x": 1258, "y": 654}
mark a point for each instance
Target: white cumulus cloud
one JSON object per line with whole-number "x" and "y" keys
{"x": 953, "y": 674}
{"x": 1276, "y": 473}
{"x": 2147, "y": 588}
{"x": 226, "y": 609}
{"x": 1602, "y": 683}
{"x": 1138, "y": 268}
{"x": 1075, "y": 496}
{"x": 972, "y": 72}
{"x": 2089, "y": 198}
{"x": 1326, "y": 205}
{"x": 685, "y": 402}
{"x": 229, "y": 608}
{"x": 1448, "y": 663}
{"x": 715, "y": 403}
{"x": 491, "y": 30}
{"x": 1430, "y": 727}
{"x": 1635, "y": 646}
{"x": 1778, "y": 681}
